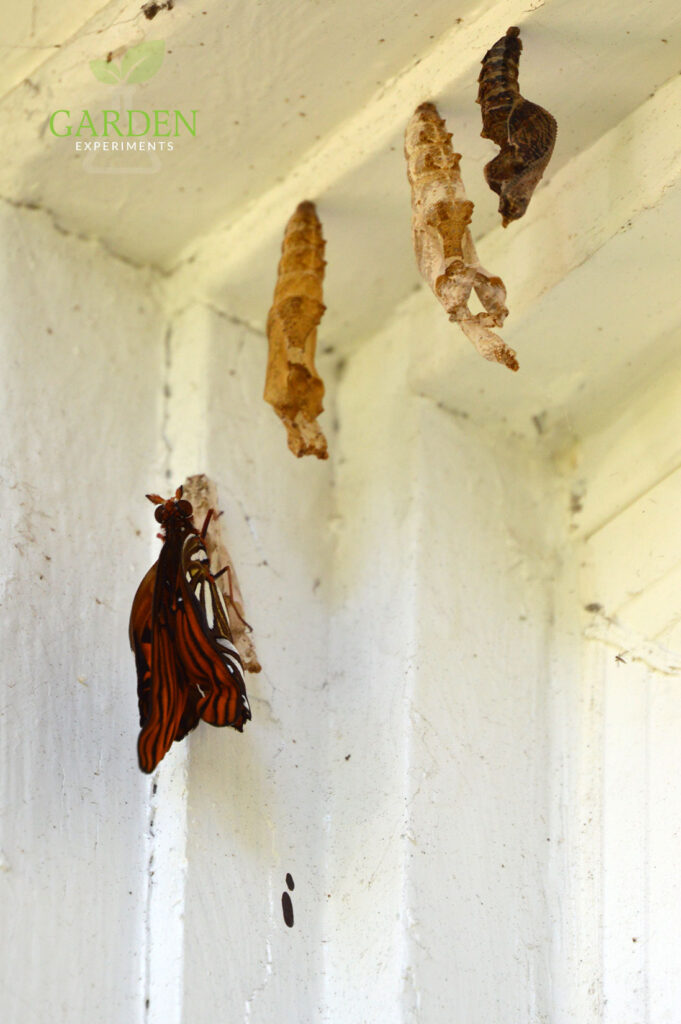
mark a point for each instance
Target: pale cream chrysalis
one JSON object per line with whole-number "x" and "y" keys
{"x": 443, "y": 244}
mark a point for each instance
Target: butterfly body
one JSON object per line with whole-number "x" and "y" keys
{"x": 188, "y": 668}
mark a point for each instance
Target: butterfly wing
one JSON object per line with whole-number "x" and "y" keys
{"x": 167, "y": 705}
{"x": 205, "y": 645}
{"x": 140, "y": 640}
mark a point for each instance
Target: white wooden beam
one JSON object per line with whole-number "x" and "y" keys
{"x": 211, "y": 261}
{"x": 358, "y": 176}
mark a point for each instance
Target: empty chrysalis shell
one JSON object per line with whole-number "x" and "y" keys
{"x": 443, "y": 244}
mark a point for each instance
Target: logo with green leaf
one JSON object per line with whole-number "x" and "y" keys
{"x": 138, "y": 64}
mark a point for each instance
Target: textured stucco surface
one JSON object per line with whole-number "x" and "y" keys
{"x": 81, "y": 351}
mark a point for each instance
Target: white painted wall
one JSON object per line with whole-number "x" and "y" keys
{"x": 476, "y": 800}
{"x": 438, "y": 853}
{"x": 395, "y": 764}
{"x": 629, "y": 555}
{"x": 256, "y": 802}
{"x": 81, "y": 355}
{"x": 509, "y": 732}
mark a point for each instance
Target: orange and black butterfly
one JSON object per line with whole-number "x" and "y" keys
{"x": 187, "y": 665}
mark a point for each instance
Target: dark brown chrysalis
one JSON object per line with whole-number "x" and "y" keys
{"x": 525, "y": 131}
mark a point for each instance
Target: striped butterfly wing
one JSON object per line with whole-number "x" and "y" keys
{"x": 204, "y": 642}
{"x": 167, "y": 704}
{"x": 140, "y": 641}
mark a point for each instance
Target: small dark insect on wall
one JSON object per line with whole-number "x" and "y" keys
{"x": 525, "y": 131}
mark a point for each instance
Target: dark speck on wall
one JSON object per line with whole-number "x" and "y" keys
{"x": 289, "y": 881}
{"x": 151, "y": 8}
{"x": 287, "y": 908}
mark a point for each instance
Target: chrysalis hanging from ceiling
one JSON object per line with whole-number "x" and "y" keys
{"x": 293, "y": 386}
{"x": 445, "y": 253}
{"x": 525, "y": 131}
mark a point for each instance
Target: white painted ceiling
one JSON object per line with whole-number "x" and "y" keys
{"x": 309, "y": 99}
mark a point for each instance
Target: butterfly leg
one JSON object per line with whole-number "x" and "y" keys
{"x": 227, "y": 569}
{"x": 206, "y": 523}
